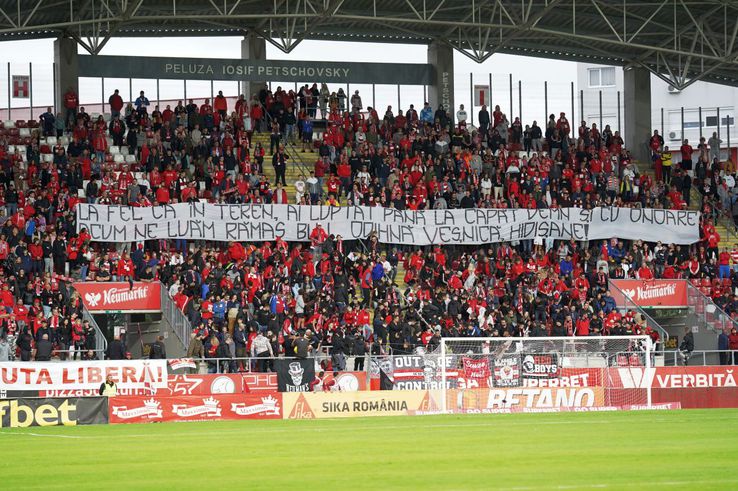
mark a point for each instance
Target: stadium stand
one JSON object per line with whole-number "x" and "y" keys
{"x": 320, "y": 147}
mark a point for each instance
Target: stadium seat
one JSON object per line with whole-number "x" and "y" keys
{"x": 118, "y": 158}
{"x": 32, "y": 123}
{"x": 114, "y": 150}
{"x": 47, "y": 157}
{"x": 109, "y": 140}
{"x": 51, "y": 140}
{"x": 124, "y": 150}
{"x": 9, "y": 124}
{"x": 129, "y": 159}
{"x": 21, "y": 123}
{"x": 696, "y": 282}
{"x": 64, "y": 140}
{"x": 706, "y": 282}
{"x": 107, "y": 117}
{"x": 24, "y": 132}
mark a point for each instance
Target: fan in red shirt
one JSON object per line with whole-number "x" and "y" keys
{"x": 644, "y": 272}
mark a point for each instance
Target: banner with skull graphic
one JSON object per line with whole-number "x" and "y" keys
{"x": 294, "y": 375}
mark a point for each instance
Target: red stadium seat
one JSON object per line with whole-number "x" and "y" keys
{"x": 706, "y": 282}
{"x": 33, "y": 123}
{"x": 696, "y": 282}
{"x": 727, "y": 282}
{"x": 21, "y": 124}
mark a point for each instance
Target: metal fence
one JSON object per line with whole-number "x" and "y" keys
{"x": 531, "y": 99}
{"x": 177, "y": 321}
{"x": 666, "y": 358}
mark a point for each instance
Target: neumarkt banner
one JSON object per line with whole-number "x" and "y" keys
{"x": 73, "y": 411}
{"x": 230, "y": 69}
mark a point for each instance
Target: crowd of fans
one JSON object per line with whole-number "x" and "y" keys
{"x": 255, "y": 299}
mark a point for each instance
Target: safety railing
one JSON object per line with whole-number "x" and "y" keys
{"x": 101, "y": 343}
{"x": 629, "y": 304}
{"x": 68, "y": 355}
{"x": 707, "y": 311}
{"x": 178, "y": 322}
{"x": 585, "y": 359}
{"x": 674, "y": 358}
{"x": 293, "y": 152}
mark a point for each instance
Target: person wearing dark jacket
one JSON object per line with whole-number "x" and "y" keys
{"x": 359, "y": 349}
{"x": 158, "y": 351}
{"x": 279, "y": 162}
{"x": 44, "y": 348}
{"x": 338, "y": 352}
{"x": 116, "y": 350}
{"x": 723, "y": 347}
{"x": 687, "y": 346}
{"x": 483, "y": 121}
{"x": 25, "y": 343}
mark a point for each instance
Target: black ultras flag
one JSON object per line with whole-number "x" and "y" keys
{"x": 72, "y": 411}
{"x": 295, "y": 375}
{"x": 384, "y": 367}
{"x": 506, "y": 371}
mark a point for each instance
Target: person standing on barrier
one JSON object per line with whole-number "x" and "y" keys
{"x": 303, "y": 346}
{"x": 109, "y": 387}
{"x": 359, "y": 350}
{"x": 733, "y": 345}
{"x": 261, "y": 348}
{"x": 724, "y": 346}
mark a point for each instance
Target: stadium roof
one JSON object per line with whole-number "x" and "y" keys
{"x": 681, "y": 41}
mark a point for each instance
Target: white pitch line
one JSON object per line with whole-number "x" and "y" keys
{"x": 50, "y": 435}
{"x": 564, "y": 487}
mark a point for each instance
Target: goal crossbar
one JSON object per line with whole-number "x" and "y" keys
{"x": 599, "y": 348}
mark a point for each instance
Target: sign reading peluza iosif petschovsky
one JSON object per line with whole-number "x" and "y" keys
{"x": 223, "y": 222}
{"x": 83, "y": 375}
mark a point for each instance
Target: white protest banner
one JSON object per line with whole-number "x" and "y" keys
{"x": 82, "y": 375}
{"x": 222, "y": 222}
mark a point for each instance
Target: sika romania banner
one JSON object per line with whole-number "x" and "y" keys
{"x": 82, "y": 375}
{"x": 311, "y": 405}
{"x": 651, "y": 293}
{"x": 101, "y": 297}
{"x": 195, "y": 408}
{"x": 24, "y": 412}
{"x": 223, "y": 222}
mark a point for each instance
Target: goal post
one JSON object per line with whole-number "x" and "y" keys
{"x": 544, "y": 374}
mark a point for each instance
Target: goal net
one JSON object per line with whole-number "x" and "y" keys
{"x": 544, "y": 374}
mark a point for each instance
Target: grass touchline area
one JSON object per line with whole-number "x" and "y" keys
{"x": 687, "y": 449}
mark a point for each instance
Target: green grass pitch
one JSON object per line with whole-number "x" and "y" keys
{"x": 688, "y": 449}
